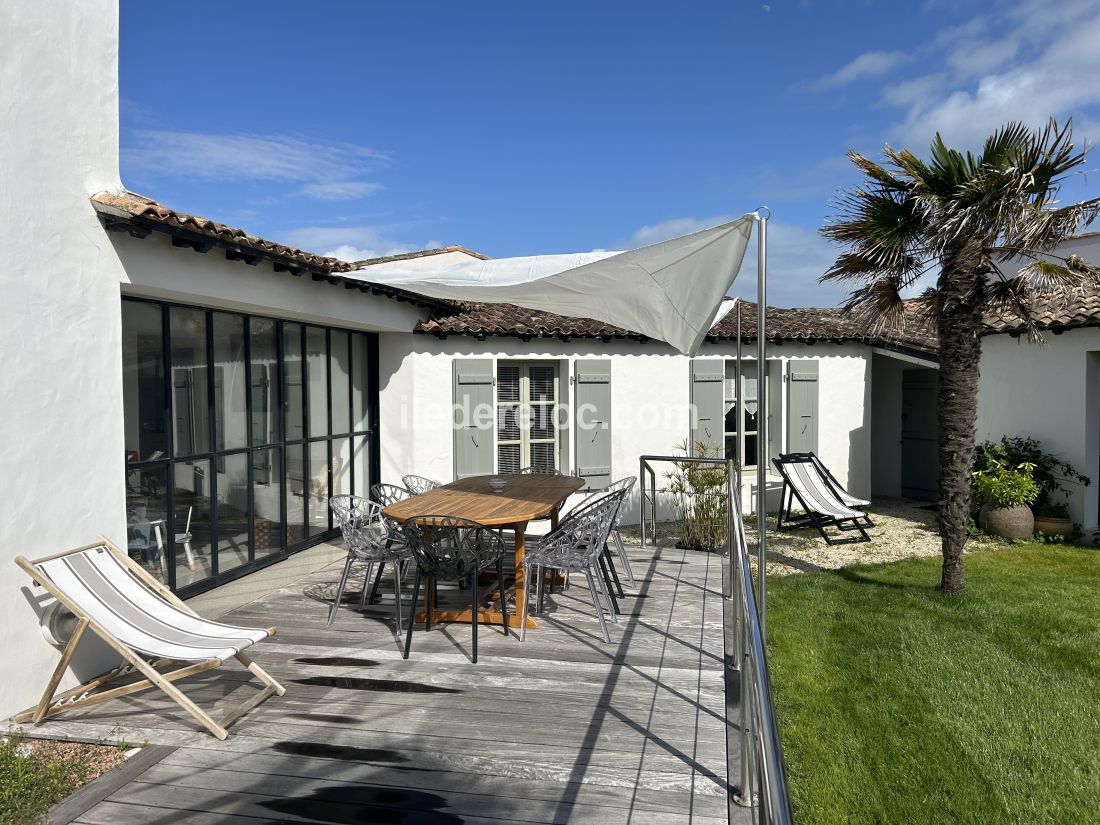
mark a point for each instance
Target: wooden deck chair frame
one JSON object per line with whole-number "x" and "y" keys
{"x": 93, "y": 692}
{"x": 787, "y": 520}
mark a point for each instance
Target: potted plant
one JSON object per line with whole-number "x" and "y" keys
{"x": 699, "y": 497}
{"x": 1006, "y": 493}
{"x": 1052, "y": 518}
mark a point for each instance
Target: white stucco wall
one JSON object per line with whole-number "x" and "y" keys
{"x": 1050, "y": 392}
{"x": 156, "y": 269}
{"x": 61, "y": 420}
{"x": 416, "y": 397}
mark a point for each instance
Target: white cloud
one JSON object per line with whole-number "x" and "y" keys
{"x": 1033, "y": 60}
{"x": 340, "y": 190}
{"x": 329, "y": 170}
{"x": 868, "y": 64}
{"x": 672, "y": 228}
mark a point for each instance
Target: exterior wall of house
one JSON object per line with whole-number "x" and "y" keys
{"x": 650, "y": 401}
{"x": 1050, "y": 392}
{"x": 156, "y": 269}
{"x": 61, "y": 420}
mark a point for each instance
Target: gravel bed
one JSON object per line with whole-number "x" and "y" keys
{"x": 903, "y": 529}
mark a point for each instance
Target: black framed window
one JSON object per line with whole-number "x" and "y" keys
{"x": 238, "y": 429}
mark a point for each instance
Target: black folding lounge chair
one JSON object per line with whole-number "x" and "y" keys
{"x": 846, "y": 498}
{"x": 802, "y": 481}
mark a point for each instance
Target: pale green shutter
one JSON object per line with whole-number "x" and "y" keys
{"x": 707, "y": 420}
{"x": 474, "y": 416}
{"x": 592, "y": 414}
{"x": 802, "y": 406}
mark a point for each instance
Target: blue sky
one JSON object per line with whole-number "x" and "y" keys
{"x": 516, "y": 128}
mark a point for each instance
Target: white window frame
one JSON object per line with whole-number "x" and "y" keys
{"x": 748, "y": 368}
{"x": 528, "y": 411}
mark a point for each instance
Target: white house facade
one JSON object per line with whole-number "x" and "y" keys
{"x": 196, "y": 393}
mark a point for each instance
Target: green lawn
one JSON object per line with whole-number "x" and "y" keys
{"x": 897, "y": 704}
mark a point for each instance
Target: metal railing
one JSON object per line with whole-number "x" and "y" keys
{"x": 751, "y": 731}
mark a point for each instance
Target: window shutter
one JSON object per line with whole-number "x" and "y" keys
{"x": 592, "y": 413}
{"x": 474, "y": 417}
{"x": 708, "y": 422}
{"x": 563, "y": 401}
{"x": 802, "y": 406}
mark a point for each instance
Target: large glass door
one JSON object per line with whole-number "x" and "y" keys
{"x": 238, "y": 430}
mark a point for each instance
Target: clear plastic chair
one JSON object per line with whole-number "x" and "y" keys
{"x": 418, "y": 484}
{"x": 627, "y": 486}
{"x": 576, "y": 547}
{"x": 453, "y": 549}
{"x": 370, "y": 539}
{"x": 387, "y": 494}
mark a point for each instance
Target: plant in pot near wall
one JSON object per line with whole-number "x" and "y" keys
{"x": 1006, "y": 493}
{"x": 1052, "y": 518}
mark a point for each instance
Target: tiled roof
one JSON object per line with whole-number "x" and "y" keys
{"x": 421, "y": 253}
{"x": 139, "y": 206}
{"x": 506, "y": 319}
{"x": 1058, "y": 310}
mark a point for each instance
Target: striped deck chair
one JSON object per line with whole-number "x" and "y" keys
{"x": 802, "y": 481}
{"x": 846, "y": 498}
{"x": 146, "y": 624}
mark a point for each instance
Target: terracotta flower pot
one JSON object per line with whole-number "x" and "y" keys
{"x": 1054, "y": 526}
{"x": 1007, "y": 522}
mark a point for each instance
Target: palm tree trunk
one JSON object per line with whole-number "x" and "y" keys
{"x": 960, "y": 324}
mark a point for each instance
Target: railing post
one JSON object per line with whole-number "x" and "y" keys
{"x": 747, "y": 797}
{"x": 641, "y": 497}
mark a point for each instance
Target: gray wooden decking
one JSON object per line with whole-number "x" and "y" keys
{"x": 560, "y": 728}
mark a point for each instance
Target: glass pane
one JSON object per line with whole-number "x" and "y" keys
{"x": 317, "y": 367}
{"x": 146, "y": 513}
{"x": 543, "y": 383}
{"x": 508, "y": 422}
{"x": 544, "y": 457}
{"x": 229, "y": 389}
{"x": 750, "y": 384}
{"x": 542, "y": 420}
{"x": 507, "y": 382}
{"x": 360, "y": 382}
{"x": 341, "y": 466}
{"x": 264, "y": 380}
{"x": 232, "y": 511}
{"x": 360, "y": 460}
{"x": 267, "y": 505}
{"x": 190, "y": 386}
{"x": 731, "y": 419}
{"x": 749, "y": 459}
{"x": 191, "y": 507}
{"x": 508, "y": 458}
{"x": 339, "y": 376}
{"x": 731, "y": 446}
{"x": 295, "y": 494}
{"x": 751, "y": 411}
{"x": 318, "y": 487}
{"x": 143, "y": 382}
{"x": 292, "y": 381}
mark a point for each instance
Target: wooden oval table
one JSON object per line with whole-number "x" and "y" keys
{"x": 525, "y": 498}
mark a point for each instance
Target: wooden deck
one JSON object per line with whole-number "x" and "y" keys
{"x": 560, "y": 728}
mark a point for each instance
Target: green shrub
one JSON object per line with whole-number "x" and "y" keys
{"x": 699, "y": 497}
{"x": 29, "y": 785}
{"x": 1048, "y": 470}
{"x": 1003, "y": 485}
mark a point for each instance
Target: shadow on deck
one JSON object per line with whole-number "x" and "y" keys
{"x": 560, "y": 728}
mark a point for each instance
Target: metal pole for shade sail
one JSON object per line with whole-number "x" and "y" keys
{"x": 762, "y": 216}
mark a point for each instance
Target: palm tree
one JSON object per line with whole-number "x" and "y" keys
{"x": 987, "y": 225}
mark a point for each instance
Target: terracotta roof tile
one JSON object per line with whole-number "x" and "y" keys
{"x": 1059, "y": 309}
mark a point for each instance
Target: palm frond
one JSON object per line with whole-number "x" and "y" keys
{"x": 1014, "y": 297}
{"x": 879, "y": 303}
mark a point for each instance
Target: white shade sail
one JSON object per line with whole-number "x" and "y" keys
{"x": 670, "y": 291}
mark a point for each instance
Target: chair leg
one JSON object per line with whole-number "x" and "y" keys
{"x": 606, "y": 577}
{"x": 377, "y": 581}
{"x": 540, "y": 583}
{"x": 473, "y": 619}
{"x": 614, "y": 573}
{"x": 623, "y": 558}
{"x": 500, "y": 589}
{"x": 605, "y": 590}
{"x": 597, "y": 603}
{"x": 190, "y": 556}
{"x": 412, "y": 614}
{"x": 397, "y": 596}
{"x": 366, "y": 585}
{"x": 429, "y": 601}
{"x": 526, "y": 573}
{"x": 340, "y": 590}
